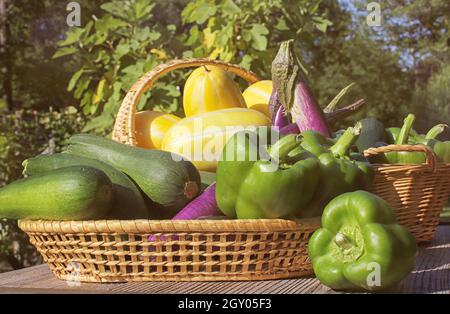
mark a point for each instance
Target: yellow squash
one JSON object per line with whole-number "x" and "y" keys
{"x": 257, "y": 96}
{"x": 201, "y": 138}
{"x": 151, "y": 126}
{"x": 210, "y": 88}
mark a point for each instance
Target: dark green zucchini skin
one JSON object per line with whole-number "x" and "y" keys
{"x": 372, "y": 132}
{"x": 72, "y": 193}
{"x": 170, "y": 183}
{"x": 207, "y": 178}
{"x": 128, "y": 200}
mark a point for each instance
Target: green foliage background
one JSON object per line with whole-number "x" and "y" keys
{"x": 65, "y": 80}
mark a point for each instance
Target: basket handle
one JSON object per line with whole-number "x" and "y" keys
{"x": 123, "y": 131}
{"x": 430, "y": 159}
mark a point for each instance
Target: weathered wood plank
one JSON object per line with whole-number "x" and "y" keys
{"x": 431, "y": 275}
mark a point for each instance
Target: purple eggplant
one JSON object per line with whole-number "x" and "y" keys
{"x": 204, "y": 205}
{"x": 294, "y": 93}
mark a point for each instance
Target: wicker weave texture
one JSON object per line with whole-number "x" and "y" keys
{"x": 416, "y": 192}
{"x": 151, "y": 251}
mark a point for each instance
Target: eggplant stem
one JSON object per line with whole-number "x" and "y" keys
{"x": 338, "y": 114}
{"x": 332, "y": 105}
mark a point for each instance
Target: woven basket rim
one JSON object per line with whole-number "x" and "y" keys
{"x": 167, "y": 226}
{"x": 124, "y": 127}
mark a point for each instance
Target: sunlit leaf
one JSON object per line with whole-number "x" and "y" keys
{"x": 230, "y": 8}
{"x": 259, "y": 32}
{"x": 64, "y": 51}
{"x": 74, "y": 79}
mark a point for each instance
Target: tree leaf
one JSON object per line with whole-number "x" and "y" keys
{"x": 321, "y": 23}
{"x": 64, "y": 51}
{"x": 194, "y": 35}
{"x": 246, "y": 62}
{"x": 82, "y": 85}
{"x": 74, "y": 79}
{"x": 230, "y": 8}
{"x": 121, "y": 50}
{"x": 225, "y": 35}
{"x": 258, "y": 32}
{"x": 73, "y": 35}
{"x": 202, "y": 13}
{"x": 208, "y": 37}
{"x": 98, "y": 96}
{"x": 108, "y": 23}
{"x": 114, "y": 9}
{"x": 281, "y": 25}
{"x": 99, "y": 123}
{"x": 143, "y": 9}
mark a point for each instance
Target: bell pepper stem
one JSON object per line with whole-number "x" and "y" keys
{"x": 435, "y": 131}
{"x": 280, "y": 150}
{"x": 342, "y": 147}
{"x": 342, "y": 241}
{"x": 405, "y": 130}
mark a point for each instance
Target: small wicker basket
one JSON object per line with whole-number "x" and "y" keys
{"x": 198, "y": 250}
{"x": 416, "y": 192}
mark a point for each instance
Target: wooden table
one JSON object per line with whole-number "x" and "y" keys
{"x": 432, "y": 275}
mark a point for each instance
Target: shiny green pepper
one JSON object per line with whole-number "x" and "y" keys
{"x": 441, "y": 149}
{"x": 360, "y": 245}
{"x": 252, "y": 184}
{"x": 339, "y": 173}
{"x": 403, "y": 137}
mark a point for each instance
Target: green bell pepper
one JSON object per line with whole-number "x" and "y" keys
{"x": 442, "y": 151}
{"x": 431, "y": 135}
{"x": 403, "y": 137}
{"x": 360, "y": 245}
{"x": 393, "y": 133}
{"x": 338, "y": 172}
{"x": 315, "y": 142}
{"x": 445, "y": 214}
{"x": 258, "y": 185}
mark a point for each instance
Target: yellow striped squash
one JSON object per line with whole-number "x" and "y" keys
{"x": 257, "y": 96}
{"x": 201, "y": 138}
{"x": 210, "y": 88}
{"x": 151, "y": 126}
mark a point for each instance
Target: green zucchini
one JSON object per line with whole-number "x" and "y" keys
{"x": 128, "y": 201}
{"x": 169, "y": 181}
{"x": 72, "y": 193}
{"x": 372, "y": 131}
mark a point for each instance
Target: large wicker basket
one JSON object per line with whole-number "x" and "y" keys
{"x": 196, "y": 250}
{"x": 416, "y": 192}
{"x": 200, "y": 250}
